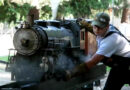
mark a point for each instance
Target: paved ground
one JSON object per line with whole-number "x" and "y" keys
{"x": 125, "y": 87}
{"x": 5, "y": 77}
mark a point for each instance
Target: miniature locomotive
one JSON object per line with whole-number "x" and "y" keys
{"x": 51, "y": 45}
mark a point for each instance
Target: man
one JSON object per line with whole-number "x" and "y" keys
{"x": 113, "y": 50}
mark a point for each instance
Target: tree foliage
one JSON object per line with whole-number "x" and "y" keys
{"x": 13, "y": 12}
{"x": 77, "y": 8}
{"x": 1, "y": 2}
{"x": 83, "y": 8}
{"x": 122, "y": 9}
{"x": 45, "y": 12}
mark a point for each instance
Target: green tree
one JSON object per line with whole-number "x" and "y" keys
{"x": 126, "y": 11}
{"x": 45, "y": 12}
{"x": 1, "y": 2}
{"x": 83, "y": 8}
{"x": 13, "y": 12}
{"x": 121, "y": 9}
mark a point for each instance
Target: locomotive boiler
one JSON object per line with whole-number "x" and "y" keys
{"x": 48, "y": 46}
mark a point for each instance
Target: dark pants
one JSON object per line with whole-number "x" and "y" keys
{"x": 118, "y": 76}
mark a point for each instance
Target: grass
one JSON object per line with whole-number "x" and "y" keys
{"x": 108, "y": 68}
{"x": 4, "y": 58}
{"x": 127, "y": 85}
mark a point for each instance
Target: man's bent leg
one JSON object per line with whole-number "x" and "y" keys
{"x": 114, "y": 80}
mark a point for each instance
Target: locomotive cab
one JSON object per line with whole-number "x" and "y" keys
{"x": 87, "y": 42}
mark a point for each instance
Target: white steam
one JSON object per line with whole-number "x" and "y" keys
{"x": 54, "y": 7}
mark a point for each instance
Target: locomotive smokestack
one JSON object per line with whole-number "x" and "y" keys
{"x": 33, "y": 15}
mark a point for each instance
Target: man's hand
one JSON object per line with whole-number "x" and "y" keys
{"x": 79, "y": 70}
{"x": 61, "y": 74}
{"x": 83, "y": 23}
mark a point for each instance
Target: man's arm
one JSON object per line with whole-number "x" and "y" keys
{"x": 84, "y": 67}
{"x": 94, "y": 60}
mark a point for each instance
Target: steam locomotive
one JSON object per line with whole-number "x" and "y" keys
{"x": 48, "y": 46}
